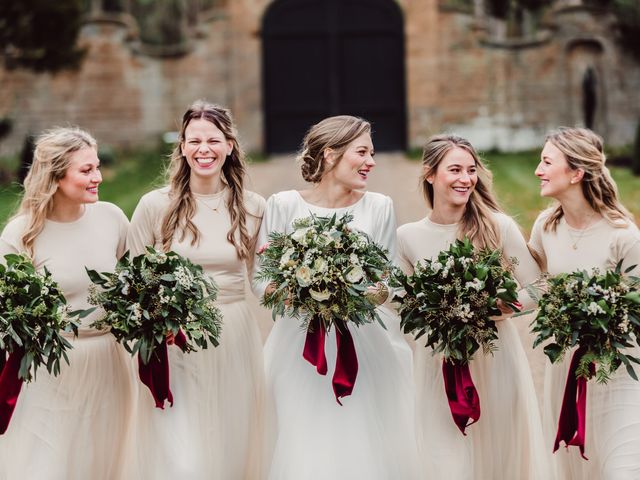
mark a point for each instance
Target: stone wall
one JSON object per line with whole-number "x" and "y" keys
{"x": 499, "y": 94}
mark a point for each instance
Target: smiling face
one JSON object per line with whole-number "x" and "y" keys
{"x": 556, "y": 177}
{"x": 81, "y": 179}
{"x": 205, "y": 149}
{"x": 352, "y": 170}
{"x": 454, "y": 179}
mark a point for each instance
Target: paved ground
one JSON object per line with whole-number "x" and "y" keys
{"x": 394, "y": 175}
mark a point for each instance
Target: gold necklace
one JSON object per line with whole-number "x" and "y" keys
{"x": 214, "y": 209}
{"x": 575, "y": 241}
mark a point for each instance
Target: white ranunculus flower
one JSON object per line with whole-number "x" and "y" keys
{"x": 355, "y": 274}
{"x": 300, "y": 235}
{"x": 304, "y": 276}
{"x": 436, "y": 266}
{"x": 320, "y": 296}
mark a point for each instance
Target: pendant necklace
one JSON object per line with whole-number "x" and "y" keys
{"x": 214, "y": 209}
{"x": 575, "y": 241}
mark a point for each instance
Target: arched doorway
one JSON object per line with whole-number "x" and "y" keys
{"x": 333, "y": 57}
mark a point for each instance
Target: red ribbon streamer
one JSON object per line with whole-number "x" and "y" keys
{"x": 10, "y": 386}
{"x": 346, "y": 371}
{"x": 573, "y": 415}
{"x": 462, "y": 395}
{"x": 155, "y": 374}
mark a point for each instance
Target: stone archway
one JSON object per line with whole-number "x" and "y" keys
{"x": 331, "y": 57}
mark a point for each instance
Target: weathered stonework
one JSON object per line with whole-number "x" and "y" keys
{"x": 458, "y": 78}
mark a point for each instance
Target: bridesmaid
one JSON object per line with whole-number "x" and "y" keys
{"x": 371, "y": 435}
{"x": 206, "y": 215}
{"x": 72, "y": 426}
{"x": 506, "y": 443}
{"x": 588, "y": 228}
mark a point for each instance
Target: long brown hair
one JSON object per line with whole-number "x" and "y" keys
{"x": 51, "y": 159}
{"x": 477, "y": 221}
{"x": 182, "y": 205}
{"x": 583, "y": 149}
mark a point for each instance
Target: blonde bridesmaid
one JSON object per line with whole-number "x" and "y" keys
{"x": 73, "y": 426}
{"x": 588, "y": 228}
{"x": 506, "y": 442}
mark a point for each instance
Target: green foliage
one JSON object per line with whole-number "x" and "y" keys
{"x": 40, "y": 35}
{"x": 33, "y": 313}
{"x": 451, "y": 297}
{"x": 597, "y": 312}
{"x": 153, "y": 294}
{"x": 323, "y": 270}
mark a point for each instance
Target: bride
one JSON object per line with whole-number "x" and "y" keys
{"x": 311, "y": 436}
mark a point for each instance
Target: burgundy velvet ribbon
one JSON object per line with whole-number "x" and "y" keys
{"x": 462, "y": 395}
{"x": 573, "y": 415}
{"x": 346, "y": 371}
{"x": 155, "y": 374}
{"x": 10, "y": 386}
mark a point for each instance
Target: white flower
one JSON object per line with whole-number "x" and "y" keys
{"x": 476, "y": 285}
{"x": 466, "y": 261}
{"x": 320, "y": 296}
{"x": 594, "y": 309}
{"x": 136, "y": 311}
{"x": 624, "y": 325}
{"x": 436, "y": 267}
{"x": 464, "y": 312}
{"x": 158, "y": 257}
{"x": 300, "y": 235}
{"x": 320, "y": 265}
{"x": 355, "y": 274}
{"x": 450, "y": 263}
{"x": 45, "y": 290}
{"x": 304, "y": 276}
{"x": 286, "y": 257}
{"x": 353, "y": 259}
{"x": 125, "y": 289}
{"x": 183, "y": 277}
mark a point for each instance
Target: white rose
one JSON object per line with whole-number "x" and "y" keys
{"x": 355, "y": 274}
{"x": 320, "y": 296}
{"x": 304, "y": 276}
{"x": 300, "y": 235}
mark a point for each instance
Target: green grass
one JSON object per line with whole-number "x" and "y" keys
{"x": 519, "y": 191}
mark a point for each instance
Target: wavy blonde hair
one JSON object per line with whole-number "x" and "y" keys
{"x": 335, "y": 133}
{"x": 182, "y": 206}
{"x": 51, "y": 159}
{"x": 477, "y": 221}
{"x": 584, "y": 149}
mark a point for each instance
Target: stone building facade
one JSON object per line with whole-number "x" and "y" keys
{"x": 459, "y": 70}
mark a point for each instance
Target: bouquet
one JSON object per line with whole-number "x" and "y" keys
{"x": 450, "y": 299}
{"x": 599, "y": 314}
{"x": 146, "y": 298}
{"x": 33, "y": 313}
{"x": 322, "y": 273}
